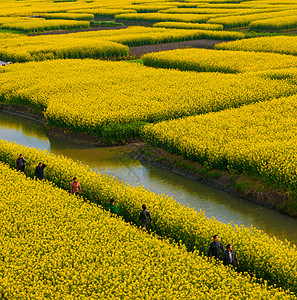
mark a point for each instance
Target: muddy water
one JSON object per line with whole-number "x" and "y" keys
{"x": 117, "y": 162}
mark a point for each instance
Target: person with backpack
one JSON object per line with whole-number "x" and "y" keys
{"x": 145, "y": 218}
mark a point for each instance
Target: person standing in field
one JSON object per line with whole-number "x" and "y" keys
{"x": 75, "y": 187}
{"x": 39, "y": 174}
{"x": 21, "y": 163}
{"x": 113, "y": 207}
{"x": 229, "y": 257}
{"x": 145, "y": 218}
{"x": 215, "y": 248}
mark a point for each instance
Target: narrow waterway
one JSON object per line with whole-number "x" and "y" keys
{"x": 116, "y": 161}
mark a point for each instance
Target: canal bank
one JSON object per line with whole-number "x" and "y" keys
{"x": 239, "y": 185}
{"x": 117, "y": 161}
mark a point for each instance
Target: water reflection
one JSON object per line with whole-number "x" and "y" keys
{"x": 116, "y": 161}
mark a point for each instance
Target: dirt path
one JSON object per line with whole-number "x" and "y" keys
{"x": 138, "y": 51}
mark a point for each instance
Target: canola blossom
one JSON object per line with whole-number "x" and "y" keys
{"x": 276, "y": 44}
{"x": 107, "y": 92}
{"x": 205, "y": 60}
{"x": 255, "y": 249}
{"x": 54, "y": 245}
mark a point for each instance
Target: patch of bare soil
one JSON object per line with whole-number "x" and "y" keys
{"x": 203, "y": 43}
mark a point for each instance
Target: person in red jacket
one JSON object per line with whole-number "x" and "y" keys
{"x": 75, "y": 187}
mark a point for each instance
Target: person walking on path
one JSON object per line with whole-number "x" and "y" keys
{"x": 21, "y": 163}
{"x": 75, "y": 187}
{"x": 229, "y": 257}
{"x": 145, "y": 218}
{"x": 39, "y": 171}
{"x": 215, "y": 248}
{"x": 113, "y": 207}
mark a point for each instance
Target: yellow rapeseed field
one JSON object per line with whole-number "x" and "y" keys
{"x": 205, "y": 60}
{"x": 31, "y": 25}
{"x": 258, "y": 139}
{"x": 276, "y": 44}
{"x": 105, "y": 92}
{"x": 54, "y": 245}
{"x": 255, "y": 249}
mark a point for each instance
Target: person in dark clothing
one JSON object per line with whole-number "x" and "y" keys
{"x": 145, "y": 218}
{"x": 21, "y": 163}
{"x": 215, "y": 247}
{"x": 39, "y": 171}
{"x": 113, "y": 207}
{"x": 229, "y": 257}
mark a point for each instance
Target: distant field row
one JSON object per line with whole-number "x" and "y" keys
{"x": 98, "y": 44}
{"x": 258, "y": 15}
{"x": 206, "y": 60}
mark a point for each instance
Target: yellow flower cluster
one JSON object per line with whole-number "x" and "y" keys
{"x": 245, "y": 20}
{"x": 185, "y": 25}
{"x": 288, "y": 22}
{"x": 256, "y": 251}
{"x": 205, "y": 60}
{"x": 39, "y": 24}
{"x": 54, "y": 245}
{"x": 277, "y": 44}
{"x": 84, "y": 95}
{"x": 68, "y": 16}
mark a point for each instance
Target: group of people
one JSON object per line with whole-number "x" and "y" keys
{"x": 144, "y": 217}
{"x": 215, "y": 249}
{"x": 229, "y": 257}
{"x": 21, "y": 165}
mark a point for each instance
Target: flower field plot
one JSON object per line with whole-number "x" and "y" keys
{"x": 258, "y": 139}
{"x": 276, "y": 44}
{"x": 30, "y": 25}
{"x": 54, "y": 245}
{"x": 170, "y": 219}
{"x": 68, "y": 16}
{"x": 204, "y": 60}
{"x": 107, "y": 93}
{"x": 275, "y": 23}
{"x": 185, "y": 25}
{"x": 245, "y": 20}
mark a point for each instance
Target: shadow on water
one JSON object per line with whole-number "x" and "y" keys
{"x": 117, "y": 162}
